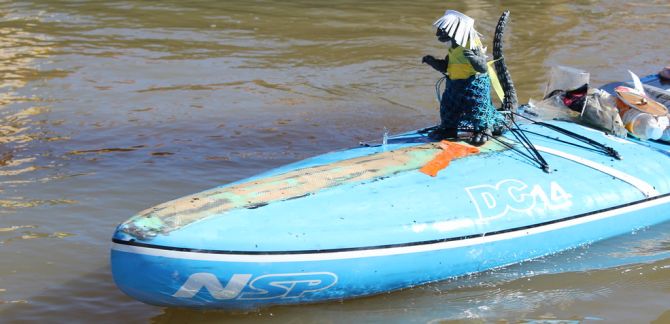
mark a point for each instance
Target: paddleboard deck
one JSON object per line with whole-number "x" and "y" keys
{"x": 372, "y": 165}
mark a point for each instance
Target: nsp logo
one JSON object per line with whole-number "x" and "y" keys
{"x": 494, "y": 201}
{"x": 242, "y": 287}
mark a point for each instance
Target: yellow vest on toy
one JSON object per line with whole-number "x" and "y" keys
{"x": 459, "y": 67}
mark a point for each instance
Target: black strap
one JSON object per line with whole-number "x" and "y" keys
{"x": 533, "y": 154}
{"x": 599, "y": 146}
{"x": 596, "y": 145}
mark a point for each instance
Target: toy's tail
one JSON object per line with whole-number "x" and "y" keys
{"x": 510, "y": 101}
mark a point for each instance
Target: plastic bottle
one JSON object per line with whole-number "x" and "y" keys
{"x": 666, "y": 135}
{"x": 642, "y": 125}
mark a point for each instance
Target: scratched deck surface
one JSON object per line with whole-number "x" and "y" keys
{"x": 370, "y": 197}
{"x": 293, "y": 184}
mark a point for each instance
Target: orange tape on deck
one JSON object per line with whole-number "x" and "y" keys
{"x": 450, "y": 151}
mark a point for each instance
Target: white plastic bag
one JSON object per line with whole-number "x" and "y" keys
{"x": 600, "y": 112}
{"x": 565, "y": 78}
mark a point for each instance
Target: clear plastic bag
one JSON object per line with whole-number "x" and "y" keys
{"x": 600, "y": 112}
{"x": 564, "y": 78}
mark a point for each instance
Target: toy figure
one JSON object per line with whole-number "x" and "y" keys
{"x": 466, "y": 102}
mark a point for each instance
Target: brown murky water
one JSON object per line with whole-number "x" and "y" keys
{"x": 109, "y": 107}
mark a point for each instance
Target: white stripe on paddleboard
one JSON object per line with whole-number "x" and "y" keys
{"x": 325, "y": 256}
{"x": 646, "y": 189}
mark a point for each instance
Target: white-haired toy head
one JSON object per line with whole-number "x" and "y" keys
{"x": 460, "y": 28}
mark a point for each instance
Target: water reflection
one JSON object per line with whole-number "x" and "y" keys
{"x": 23, "y": 113}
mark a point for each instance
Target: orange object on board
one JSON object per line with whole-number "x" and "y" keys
{"x": 450, "y": 151}
{"x": 627, "y": 98}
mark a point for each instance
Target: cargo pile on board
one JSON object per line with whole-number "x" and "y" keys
{"x": 630, "y": 111}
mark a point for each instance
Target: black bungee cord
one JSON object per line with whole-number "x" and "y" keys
{"x": 532, "y": 153}
{"x": 595, "y": 146}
